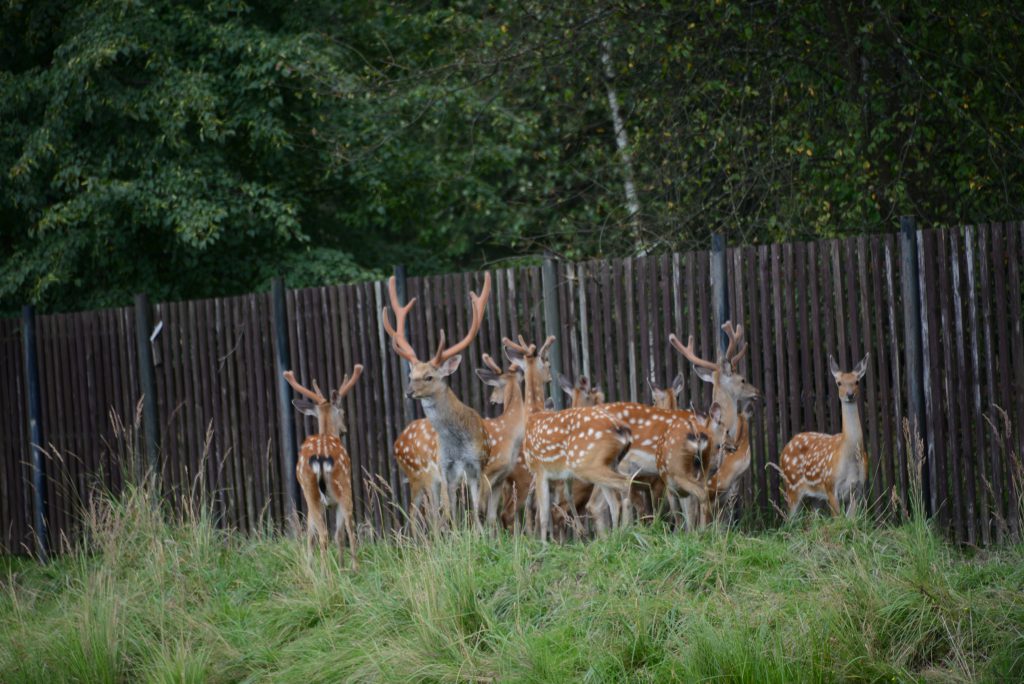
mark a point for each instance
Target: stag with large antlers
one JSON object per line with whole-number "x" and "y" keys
{"x": 323, "y": 469}
{"x": 463, "y": 443}
{"x": 577, "y": 443}
{"x": 730, "y": 391}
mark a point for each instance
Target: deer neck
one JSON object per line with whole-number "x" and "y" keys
{"x": 447, "y": 415}
{"x": 852, "y": 434}
{"x": 513, "y": 402}
{"x": 534, "y": 392}
{"x": 730, "y": 416}
{"x": 324, "y": 420}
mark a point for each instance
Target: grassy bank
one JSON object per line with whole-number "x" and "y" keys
{"x": 821, "y": 600}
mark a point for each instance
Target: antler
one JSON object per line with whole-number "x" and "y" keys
{"x": 479, "y": 302}
{"x": 523, "y": 348}
{"x": 491, "y": 364}
{"x": 546, "y": 346}
{"x": 317, "y": 396}
{"x": 687, "y": 351}
{"x": 398, "y": 341}
{"x": 735, "y": 336}
{"x": 347, "y": 383}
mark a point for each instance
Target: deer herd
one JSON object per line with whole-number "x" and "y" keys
{"x": 539, "y": 466}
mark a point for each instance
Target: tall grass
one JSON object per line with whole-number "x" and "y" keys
{"x": 156, "y": 596}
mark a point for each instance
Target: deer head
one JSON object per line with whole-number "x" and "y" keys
{"x": 534, "y": 364}
{"x": 848, "y": 384}
{"x": 666, "y": 398}
{"x": 328, "y": 412}
{"x": 503, "y": 382}
{"x": 428, "y": 378}
{"x": 723, "y": 375}
{"x": 581, "y": 393}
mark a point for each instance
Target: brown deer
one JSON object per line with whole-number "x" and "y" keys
{"x": 830, "y": 467}
{"x": 463, "y": 444}
{"x": 730, "y": 391}
{"x": 324, "y": 470}
{"x": 683, "y": 458}
{"x": 505, "y": 432}
{"x": 580, "y": 443}
{"x": 416, "y": 454}
{"x": 667, "y": 398}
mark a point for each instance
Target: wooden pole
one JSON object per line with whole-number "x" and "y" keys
{"x": 147, "y": 379}
{"x": 28, "y": 329}
{"x": 408, "y": 404}
{"x": 912, "y": 331}
{"x": 286, "y": 420}
{"x": 719, "y": 289}
{"x": 552, "y": 322}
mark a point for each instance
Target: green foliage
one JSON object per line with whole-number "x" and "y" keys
{"x": 196, "y": 148}
{"x": 818, "y": 600}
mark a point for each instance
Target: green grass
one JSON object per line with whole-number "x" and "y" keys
{"x": 819, "y": 600}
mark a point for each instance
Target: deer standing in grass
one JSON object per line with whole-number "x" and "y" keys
{"x": 684, "y": 456}
{"x": 324, "y": 470}
{"x": 580, "y": 443}
{"x": 829, "y": 467}
{"x": 730, "y": 391}
{"x": 416, "y": 449}
{"x": 463, "y": 443}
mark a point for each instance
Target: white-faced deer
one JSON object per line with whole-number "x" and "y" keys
{"x": 730, "y": 390}
{"x": 416, "y": 448}
{"x": 683, "y": 460}
{"x": 462, "y": 437}
{"x": 667, "y": 398}
{"x": 324, "y": 470}
{"x": 829, "y": 467}
{"x": 580, "y": 443}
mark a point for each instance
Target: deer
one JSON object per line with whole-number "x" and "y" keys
{"x": 667, "y": 398}
{"x": 505, "y": 432}
{"x": 730, "y": 391}
{"x": 683, "y": 458}
{"x": 580, "y": 393}
{"x": 416, "y": 449}
{"x": 462, "y": 438}
{"x": 415, "y": 452}
{"x": 829, "y": 467}
{"x": 576, "y": 443}
{"x": 323, "y": 468}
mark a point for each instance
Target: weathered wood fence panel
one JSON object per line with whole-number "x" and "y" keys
{"x": 216, "y": 385}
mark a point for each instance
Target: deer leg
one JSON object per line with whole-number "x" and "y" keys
{"x": 493, "y": 499}
{"x": 474, "y": 485}
{"x": 833, "y": 502}
{"x": 351, "y": 534}
{"x": 542, "y": 497}
{"x": 316, "y": 522}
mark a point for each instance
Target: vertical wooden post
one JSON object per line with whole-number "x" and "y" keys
{"x": 408, "y": 404}
{"x": 912, "y": 325}
{"x": 147, "y": 379}
{"x": 719, "y": 289}
{"x": 552, "y": 321}
{"x": 28, "y": 330}
{"x": 286, "y": 420}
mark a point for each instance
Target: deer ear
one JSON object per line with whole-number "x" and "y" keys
{"x": 450, "y": 366}
{"x": 705, "y": 374}
{"x": 516, "y": 358}
{"x": 335, "y": 399}
{"x": 566, "y": 384}
{"x": 833, "y": 366}
{"x": 862, "y": 367}
{"x": 715, "y": 412}
{"x": 678, "y": 383}
{"x": 305, "y": 407}
{"x": 488, "y": 376}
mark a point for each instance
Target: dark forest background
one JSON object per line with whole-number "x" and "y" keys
{"x": 190, "y": 149}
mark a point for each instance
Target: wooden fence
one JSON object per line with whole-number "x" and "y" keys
{"x": 218, "y": 403}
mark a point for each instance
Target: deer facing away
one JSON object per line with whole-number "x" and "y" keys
{"x": 323, "y": 469}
